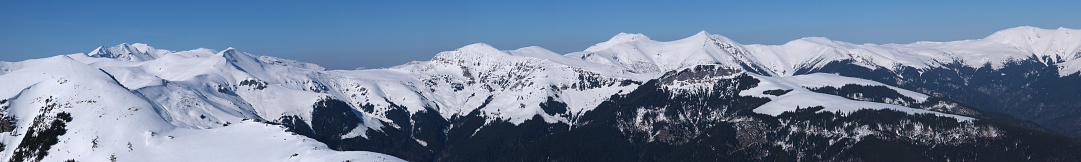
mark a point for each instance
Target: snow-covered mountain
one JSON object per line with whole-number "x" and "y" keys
{"x": 59, "y": 108}
{"x": 479, "y": 103}
{"x": 638, "y": 52}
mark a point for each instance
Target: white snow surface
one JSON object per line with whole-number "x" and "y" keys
{"x": 111, "y": 121}
{"x": 641, "y": 54}
{"x": 197, "y": 92}
{"x": 802, "y": 97}
{"x": 194, "y": 92}
{"x": 517, "y": 81}
{"x": 818, "y": 80}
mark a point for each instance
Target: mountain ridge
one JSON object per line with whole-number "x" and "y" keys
{"x": 657, "y": 95}
{"x": 639, "y": 66}
{"x": 1020, "y": 38}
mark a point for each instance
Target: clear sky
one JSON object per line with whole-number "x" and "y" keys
{"x": 350, "y": 34}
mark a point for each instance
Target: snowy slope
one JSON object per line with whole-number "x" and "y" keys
{"x": 1049, "y": 45}
{"x": 639, "y": 53}
{"x": 206, "y": 89}
{"x": 199, "y": 92}
{"x": 103, "y": 120}
{"x": 151, "y": 94}
{"x": 134, "y": 52}
{"x": 704, "y": 79}
{"x": 458, "y": 82}
{"x": 801, "y": 97}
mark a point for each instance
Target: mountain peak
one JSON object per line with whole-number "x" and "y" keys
{"x": 701, "y": 33}
{"x": 705, "y": 36}
{"x": 143, "y": 47}
{"x": 533, "y": 49}
{"x": 100, "y": 51}
{"x": 230, "y": 52}
{"x": 1061, "y": 41}
{"x": 536, "y": 52}
{"x": 628, "y": 37}
{"x": 618, "y": 39}
{"x": 126, "y": 48}
{"x": 1028, "y": 32}
{"x": 478, "y": 48}
{"x": 470, "y": 53}
{"x": 123, "y": 51}
{"x": 812, "y": 40}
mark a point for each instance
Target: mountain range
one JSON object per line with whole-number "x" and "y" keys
{"x": 1012, "y": 96}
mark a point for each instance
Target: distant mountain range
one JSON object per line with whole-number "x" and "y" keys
{"x": 1012, "y": 96}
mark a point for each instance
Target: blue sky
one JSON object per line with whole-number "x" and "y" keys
{"x": 349, "y": 34}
